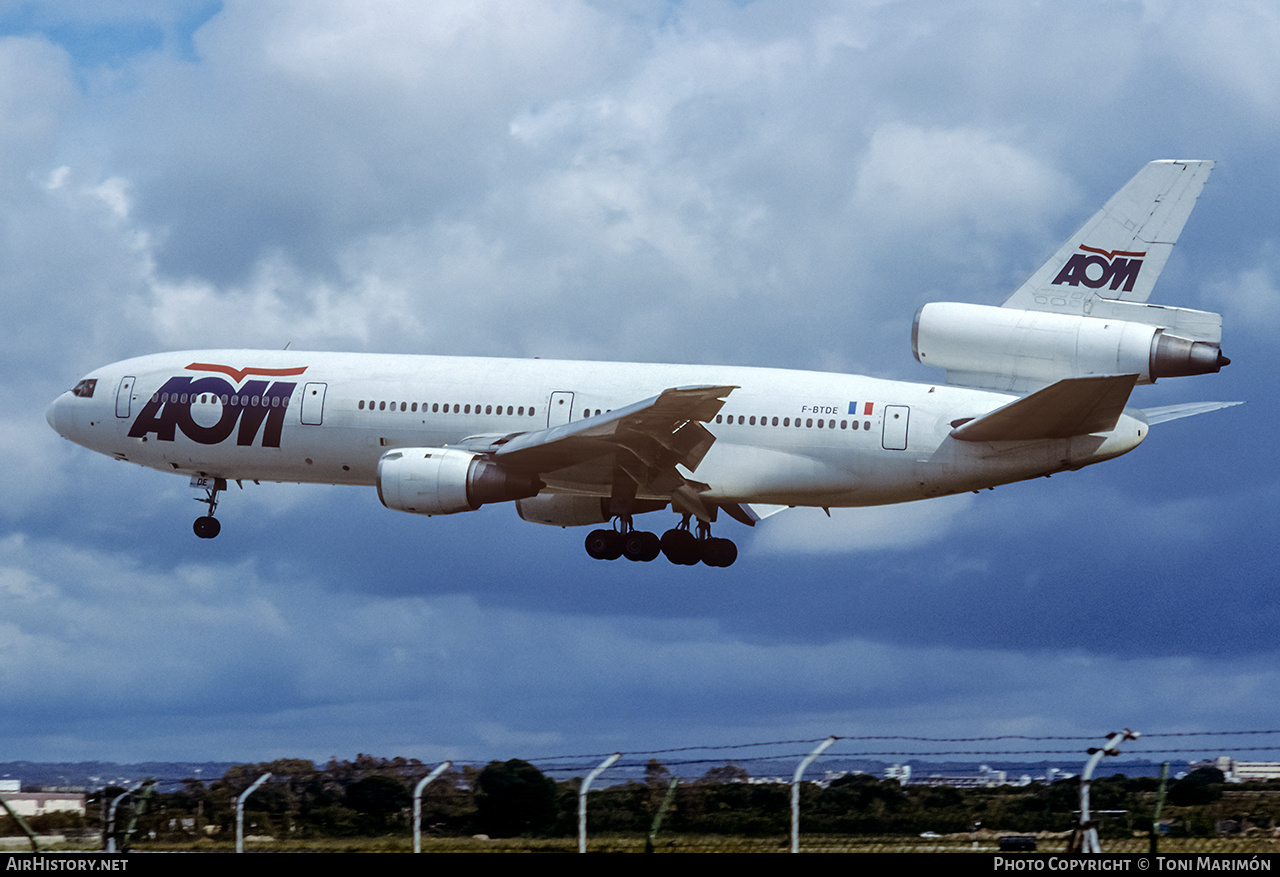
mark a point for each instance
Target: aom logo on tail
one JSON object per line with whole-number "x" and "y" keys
{"x": 208, "y": 410}
{"x": 1096, "y": 268}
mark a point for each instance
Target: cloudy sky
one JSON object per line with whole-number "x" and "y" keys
{"x": 767, "y": 183}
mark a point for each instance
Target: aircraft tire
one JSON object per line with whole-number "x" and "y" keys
{"x": 604, "y": 544}
{"x": 207, "y": 527}
{"x": 719, "y": 552}
{"x": 681, "y": 547}
{"x": 640, "y": 545}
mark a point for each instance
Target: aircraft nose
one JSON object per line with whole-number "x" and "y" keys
{"x": 53, "y": 414}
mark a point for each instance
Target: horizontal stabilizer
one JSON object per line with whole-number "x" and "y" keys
{"x": 1190, "y": 409}
{"x": 1074, "y": 406}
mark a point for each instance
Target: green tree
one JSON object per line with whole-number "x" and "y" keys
{"x": 514, "y": 798}
{"x": 379, "y": 800}
{"x": 1202, "y": 786}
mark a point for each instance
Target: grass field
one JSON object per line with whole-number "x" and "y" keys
{"x": 701, "y": 844}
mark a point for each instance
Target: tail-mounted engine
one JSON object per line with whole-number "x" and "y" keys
{"x": 1009, "y": 348}
{"x": 444, "y": 481}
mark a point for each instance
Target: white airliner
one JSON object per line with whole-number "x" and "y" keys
{"x": 1037, "y": 386}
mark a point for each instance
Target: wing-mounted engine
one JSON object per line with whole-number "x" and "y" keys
{"x": 1018, "y": 350}
{"x": 444, "y": 481}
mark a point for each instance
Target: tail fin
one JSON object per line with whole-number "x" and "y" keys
{"x": 1119, "y": 253}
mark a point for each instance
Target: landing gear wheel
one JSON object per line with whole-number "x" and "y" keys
{"x": 604, "y": 544}
{"x": 641, "y": 546}
{"x": 207, "y": 527}
{"x": 681, "y": 547}
{"x": 719, "y": 552}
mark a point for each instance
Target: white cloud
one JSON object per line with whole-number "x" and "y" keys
{"x": 959, "y": 188}
{"x": 1250, "y": 299}
{"x": 876, "y": 528}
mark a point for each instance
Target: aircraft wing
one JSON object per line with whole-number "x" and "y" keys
{"x": 648, "y": 440}
{"x": 1073, "y": 406}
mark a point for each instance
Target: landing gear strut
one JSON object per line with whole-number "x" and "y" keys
{"x": 207, "y": 526}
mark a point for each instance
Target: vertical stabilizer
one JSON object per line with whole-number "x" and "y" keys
{"x": 1118, "y": 254}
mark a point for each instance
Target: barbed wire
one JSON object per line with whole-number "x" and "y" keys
{"x": 638, "y": 759}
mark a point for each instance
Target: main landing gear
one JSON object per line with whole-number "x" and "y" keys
{"x": 207, "y": 526}
{"x": 680, "y": 545}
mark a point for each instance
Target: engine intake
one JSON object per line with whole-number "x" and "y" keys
{"x": 444, "y": 481}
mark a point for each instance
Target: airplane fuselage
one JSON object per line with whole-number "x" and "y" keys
{"x": 783, "y": 437}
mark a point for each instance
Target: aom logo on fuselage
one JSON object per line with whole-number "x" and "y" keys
{"x": 1096, "y": 268}
{"x": 209, "y": 409}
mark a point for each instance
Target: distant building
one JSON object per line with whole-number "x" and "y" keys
{"x": 40, "y": 803}
{"x": 1241, "y": 771}
{"x": 10, "y": 785}
{"x": 899, "y": 772}
{"x": 984, "y": 778}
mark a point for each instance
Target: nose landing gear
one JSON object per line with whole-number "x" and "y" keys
{"x": 207, "y": 526}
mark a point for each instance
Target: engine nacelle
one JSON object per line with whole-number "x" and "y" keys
{"x": 444, "y": 481}
{"x": 1041, "y": 346}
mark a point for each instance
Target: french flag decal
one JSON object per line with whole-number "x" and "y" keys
{"x": 867, "y": 406}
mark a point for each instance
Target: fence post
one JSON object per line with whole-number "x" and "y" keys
{"x": 417, "y": 803}
{"x": 1155, "y": 816}
{"x": 795, "y": 791}
{"x": 240, "y": 810}
{"x": 582, "y": 798}
{"x": 1085, "y": 837}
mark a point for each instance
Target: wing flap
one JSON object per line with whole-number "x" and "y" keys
{"x": 1070, "y": 407}
{"x": 646, "y": 440}
{"x": 654, "y": 429}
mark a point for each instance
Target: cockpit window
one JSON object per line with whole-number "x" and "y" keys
{"x": 85, "y": 388}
